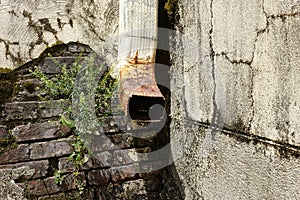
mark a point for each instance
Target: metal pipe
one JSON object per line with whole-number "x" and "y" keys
{"x": 139, "y": 96}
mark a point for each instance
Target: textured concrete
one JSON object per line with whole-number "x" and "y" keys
{"x": 27, "y": 28}
{"x": 227, "y": 168}
{"x": 243, "y": 77}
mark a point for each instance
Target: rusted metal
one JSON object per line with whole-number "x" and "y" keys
{"x": 138, "y": 89}
{"x": 139, "y": 94}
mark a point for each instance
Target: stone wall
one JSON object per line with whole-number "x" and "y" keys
{"x": 37, "y": 146}
{"x": 235, "y": 99}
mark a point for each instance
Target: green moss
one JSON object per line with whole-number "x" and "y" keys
{"x": 6, "y": 90}
{"x": 7, "y": 143}
{"x": 5, "y": 70}
{"x": 171, "y": 7}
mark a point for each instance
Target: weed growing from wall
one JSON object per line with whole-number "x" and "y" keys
{"x": 62, "y": 86}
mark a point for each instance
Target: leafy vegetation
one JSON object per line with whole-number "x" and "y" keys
{"x": 87, "y": 89}
{"x": 7, "y": 143}
{"x": 171, "y": 6}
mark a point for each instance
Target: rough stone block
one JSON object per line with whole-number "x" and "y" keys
{"x": 99, "y": 177}
{"x": 122, "y": 140}
{"x": 3, "y": 132}
{"x": 133, "y": 190}
{"x": 51, "y": 186}
{"x": 8, "y": 188}
{"x": 102, "y": 159}
{"x": 75, "y": 48}
{"x": 101, "y": 143}
{"x": 124, "y": 157}
{"x": 50, "y": 149}
{"x": 65, "y": 165}
{"x": 68, "y": 183}
{"x": 53, "y": 65}
{"x": 20, "y": 110}
{"x": 49, "y": 111}
{"x": 111, "y": 142}
{"x": 40, "y": 131}
{"x": 37, "y": 188}
{"x": 53, "y": 197}
{"x": 153, "y": 181}
{"x": 40, "y": 168}
{"x": 124, "y": 172}
{"x": 27, "y": 90}
{"x": 18, "y": 154}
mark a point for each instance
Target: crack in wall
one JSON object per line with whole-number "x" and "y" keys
{"x": 16, "y": 59}
{"x": 38, "y": 30}
{"x": 283, "y": 15}
{"x": 283, "y": 146}
{"x": 87, "y": 16}
{"x": 215, "y": 116}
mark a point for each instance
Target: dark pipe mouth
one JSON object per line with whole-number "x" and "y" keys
{"x": 146, "y": 108}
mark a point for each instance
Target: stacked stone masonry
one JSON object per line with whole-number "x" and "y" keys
{"x": 43, "y": 145}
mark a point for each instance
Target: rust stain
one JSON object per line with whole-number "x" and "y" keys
{"x": 137, "y": 78}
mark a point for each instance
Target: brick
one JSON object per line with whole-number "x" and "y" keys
{"x": 124, "y": 172}
{"x": 50, "y": 149}
{"x": 52, "y": 65}
{"x": 51, "y": 186}
{"x": 111, "y": 142}
{"x": 134, "y": 189}
{"x": 18, "y": 154}
{"x": 48, "y": 111}
{"x": 75, "y": 48}
{"x": 122, "y": 140}
{"x": 27, "y": 90}
{"x": 101, "y": 143}
{"x": 113, "y": 124}
{"x": 40, "y": 168}
{"x": 37, "y": 188}
{"x": 124, "y": 157}
{"x": 68, "y": 183}
{"x": 3, "y": 132}
{"x": 20, "y": 110}
{"x": 31, "y": 110}
{"x": 65, "y": 165}
{"x": 102, "y": 159}
{"x": 60, "y": 196}
{"x": 153, "y": 182}
{"x": 99, "y": 177}
{"x": 40, "y": 131}
{"x": 153, "y": 165}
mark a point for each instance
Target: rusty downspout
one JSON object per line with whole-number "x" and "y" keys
{"x": 139, "y": 95}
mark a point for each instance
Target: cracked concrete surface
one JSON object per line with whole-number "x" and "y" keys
{"x": 246, "y": 79}
{"x": 27, "y": 28}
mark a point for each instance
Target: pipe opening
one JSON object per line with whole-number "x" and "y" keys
{"x": 146, "y": 108}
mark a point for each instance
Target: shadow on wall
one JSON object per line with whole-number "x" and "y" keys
{"x": 162, "y": 74}
{"x": 45, "y": 147}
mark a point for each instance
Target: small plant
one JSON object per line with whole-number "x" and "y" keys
{"x": 171, "y": 6}
{"x": 7, "y": 143}
{"x": 59, "y": 177}
{"x": 84, "y": 98}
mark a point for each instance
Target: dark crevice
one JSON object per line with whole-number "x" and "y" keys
{"x": 53, "y": 166}
{"x": 216, "y": 114}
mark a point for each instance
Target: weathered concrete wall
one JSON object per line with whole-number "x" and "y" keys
{"x": 243, "y": 77}
{"x": 27, "y": 28}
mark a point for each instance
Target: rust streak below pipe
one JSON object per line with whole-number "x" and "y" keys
{"x": 139, "y": 95}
